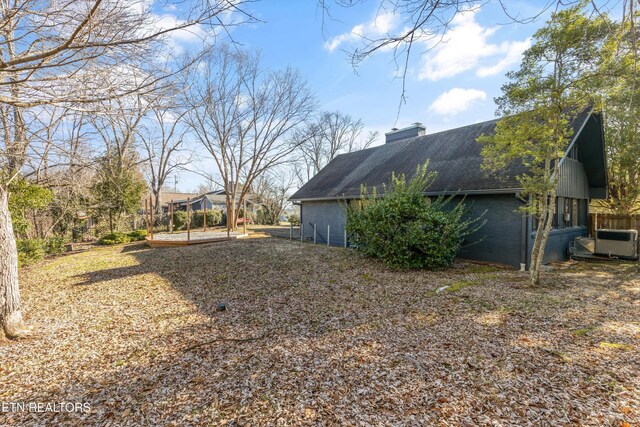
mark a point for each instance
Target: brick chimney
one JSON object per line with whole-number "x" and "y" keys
{"x": 416, "y": 129}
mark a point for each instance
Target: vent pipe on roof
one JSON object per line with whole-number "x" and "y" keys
{"x": 416, "y": 129}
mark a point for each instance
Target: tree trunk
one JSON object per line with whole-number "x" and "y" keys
{"x": 537, "y": 253}
{"x": 536, "y": 243}
{"x": 11, "y": 324}
{"x": 535, "y": 274}
{"x": 157, "y": 207}
{"x": 231, "y": 217}
{"x": 544, "y": 225}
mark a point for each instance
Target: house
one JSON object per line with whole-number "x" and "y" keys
{"x": 165, "y": 198}
{"x": 212, "y": 200}
{"x": 507, "y": 235}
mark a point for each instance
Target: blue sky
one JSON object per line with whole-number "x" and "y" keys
{"x": 450, "y": 85}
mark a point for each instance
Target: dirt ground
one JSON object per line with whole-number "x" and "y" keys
{"x": 320, "y": 336}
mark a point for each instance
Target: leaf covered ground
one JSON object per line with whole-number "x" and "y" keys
{"x": 321, "y": 336}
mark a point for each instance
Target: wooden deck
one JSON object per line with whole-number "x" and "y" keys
{"x": 174, "y": 243}
{"x": 180, "y": 239}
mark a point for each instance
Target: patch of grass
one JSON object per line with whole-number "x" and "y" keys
{"x": 614, "y": 346}
{"x": 460, "y": 284}
{"x": 559, "y": 354}
{"x": 489, "y": 276}
{"x": 580, "y": 332}
{"x": 481, "y": 269}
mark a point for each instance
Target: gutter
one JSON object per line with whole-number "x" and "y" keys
{"x": 428, "y": 193}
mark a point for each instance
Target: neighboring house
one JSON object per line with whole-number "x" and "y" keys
{"x": 508, "y": 234}
{"x": 166, "y": 198}
{"x": 212, "y": 200}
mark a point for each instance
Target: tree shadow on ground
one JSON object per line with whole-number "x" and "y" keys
{"x": 322, "y": 336}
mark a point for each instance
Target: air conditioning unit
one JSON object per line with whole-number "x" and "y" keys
{"x": 617, "y": 243}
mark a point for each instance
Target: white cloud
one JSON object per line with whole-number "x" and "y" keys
{"x": 191, "y": 33}
{"x": 456, "y": 101}
{"x": 465, "y": 46}
{"x": 177, "y": 39}
{"x": 381, "y": 24}
{"x": 513, "y": 54}
{"x": 384, "y": 23}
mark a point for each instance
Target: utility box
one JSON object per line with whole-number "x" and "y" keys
{"x": 617, "y": 243}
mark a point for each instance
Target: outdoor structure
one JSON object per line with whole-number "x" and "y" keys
{"x": 507, "y": 235}
{"x": 191, "y": 237}
{"x": 167, "y": 196}
{"x": 211, "y": 200}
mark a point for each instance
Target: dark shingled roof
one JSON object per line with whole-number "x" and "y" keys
{"x": 454, "y": 154}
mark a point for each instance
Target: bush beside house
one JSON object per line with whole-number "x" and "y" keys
{"x": 406, "y": 229}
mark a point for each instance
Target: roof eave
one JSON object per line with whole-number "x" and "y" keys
{"x": 428, "y": 193}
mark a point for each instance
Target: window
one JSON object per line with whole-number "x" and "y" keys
{"x": 567, "y": 213}
{"x": 554, "y": 217}
{"x": 574, "y": 212}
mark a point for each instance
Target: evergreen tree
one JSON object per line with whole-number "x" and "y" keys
{"x": 538, "y": 104}
{"x": 119, "y": 188}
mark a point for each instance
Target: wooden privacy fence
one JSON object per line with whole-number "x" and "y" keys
{"x": 612, "y": 221}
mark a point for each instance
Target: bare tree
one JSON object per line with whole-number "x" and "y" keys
{"x": 273, "y": 190}
{"x": 59, "y": 159}
{"x": 72, "y": 53}
{"x": 117, "y": 124}
{"x": 323, "y": 138}
{"x": 242, "y": 115}
{"x": 162, "y": 138}
{"x": 74, "y": 169}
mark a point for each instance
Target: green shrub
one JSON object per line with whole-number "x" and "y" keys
{"x": 30, "y": 251}
{"x": 54, "y": 245}
{"x": 114, "y": 238}
{"x": 294, "y": 219}
{"x": 137, "y": 235}
{"x": 406, "y": 229}
{"x": 214, "y": 217}
{"x": 24, "y": 196}
{"x": 179, "y": 220}
{"x": 33, "y": 250}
